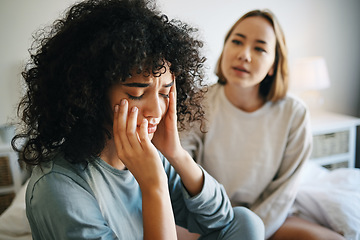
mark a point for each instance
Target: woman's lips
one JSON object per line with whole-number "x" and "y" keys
{"x": 151, "y": 128}
{"x": 241, "y": 69}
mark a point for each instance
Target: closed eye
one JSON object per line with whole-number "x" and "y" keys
{"x": 164, "y": 95}
{"x": 167, "y": 89}
{"x": 139, "y": 97}
{"x": 135, "y": 97}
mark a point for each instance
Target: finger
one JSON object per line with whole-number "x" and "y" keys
{"x": 131, "y": 128}
{"x": 116, "y": 126}
{"x": 122, "y": 124}
{"x": 143, "y": 134}
{"x": 173, "y": 88}
{"x": 172, "y": 102}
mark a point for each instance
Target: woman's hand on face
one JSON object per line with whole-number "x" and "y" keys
{"x": 166, "y": 137}
{"x": 134, "y": 149}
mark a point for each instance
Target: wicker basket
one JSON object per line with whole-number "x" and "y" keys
{"x": 5, "y": 172}
{"x": 5, "y": 201}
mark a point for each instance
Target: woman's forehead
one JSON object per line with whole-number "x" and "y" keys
{"x": 255, "y": 25}
{"x": 165, "y": 77}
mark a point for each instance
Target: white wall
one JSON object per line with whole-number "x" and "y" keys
{"x": 326, "y": 28}
{"x": 19, "y": 19}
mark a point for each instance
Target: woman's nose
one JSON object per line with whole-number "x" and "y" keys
{"x": 245, "y": 54}
{"x": 153, "y": 108}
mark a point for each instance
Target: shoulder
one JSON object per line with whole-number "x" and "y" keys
{"x": 58, "y": 165}
{"x": 295, "y": 101}
{"x": 212, "y": 98}
{"x": 297, "y": 112}
{"x": 290, "y": 111}
{"x": 58, "y": 193}
{"x": 55, "y": 178}
{"x": 293, "y": 105}
{"x": 213, "y": 90}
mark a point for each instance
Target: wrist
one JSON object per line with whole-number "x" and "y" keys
{"x": 153, "y": 191}
{"x": 178, "y": 157}
{"x": 156, "y": 183}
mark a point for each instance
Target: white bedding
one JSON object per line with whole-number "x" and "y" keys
{"x": 329, "y": 198}
{"x": 13, "y": 222}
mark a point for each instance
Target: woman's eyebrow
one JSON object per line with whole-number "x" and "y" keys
{"x": 136, "y": 84}
{"x": 261, "y": 41}
{"x": 258, "y": 40}
{"x": 240, "y": 35}
{"x": 144, "y": 85}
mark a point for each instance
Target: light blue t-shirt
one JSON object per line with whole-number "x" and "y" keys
{"x": 97, "y": 201}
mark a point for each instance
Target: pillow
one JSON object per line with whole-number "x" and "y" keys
{"x": 13, "y": 222}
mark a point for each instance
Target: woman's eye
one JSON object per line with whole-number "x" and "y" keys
{"x": 237, "y": 42}
{"x": 165, "y": 95}
{"x": 135, "y": 97}
{"x": 260, "y": 49}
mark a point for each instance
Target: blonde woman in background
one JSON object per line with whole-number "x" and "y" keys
{"x": 257, "y": 136}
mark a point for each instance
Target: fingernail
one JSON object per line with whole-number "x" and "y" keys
{"x": 123, "y": 101}
{"x": 116, "y": 108}
{"x": 134, "y": 109}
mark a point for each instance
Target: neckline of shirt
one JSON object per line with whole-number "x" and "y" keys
{"x": 227, "y": 104}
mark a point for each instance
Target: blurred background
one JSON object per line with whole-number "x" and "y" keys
{"x": 313, "y": 28}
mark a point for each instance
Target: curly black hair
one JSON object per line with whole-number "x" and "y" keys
{"x": 75, "y": 62}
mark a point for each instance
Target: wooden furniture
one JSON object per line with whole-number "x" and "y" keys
{"x": 334, "y": 139}
{"x": 10, "y": 171}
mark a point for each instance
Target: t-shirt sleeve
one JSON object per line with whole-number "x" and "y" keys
{"x": 275, "y": 203}
{"x": 205, "y": 212}
{"x": 59, "y": 208}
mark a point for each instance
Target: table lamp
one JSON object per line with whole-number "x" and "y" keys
{"x": 309, "y": 76}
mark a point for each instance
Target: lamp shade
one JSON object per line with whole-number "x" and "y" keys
{"x": 310, "y": 74}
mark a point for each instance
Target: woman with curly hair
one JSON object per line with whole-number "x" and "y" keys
{"x": 107, "y": 86}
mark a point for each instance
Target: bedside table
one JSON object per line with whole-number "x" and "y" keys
{"x": 10, "y": 172}
{"x": 334, "y": 139}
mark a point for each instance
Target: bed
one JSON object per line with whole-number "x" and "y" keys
{"x": 13, "y": 221}
{"x": 329, "y": 198}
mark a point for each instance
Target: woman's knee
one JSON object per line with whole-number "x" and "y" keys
{"x": 249, "y": 219}
{"x": 299, "y": 229}
{"x": 245, "y": 225}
